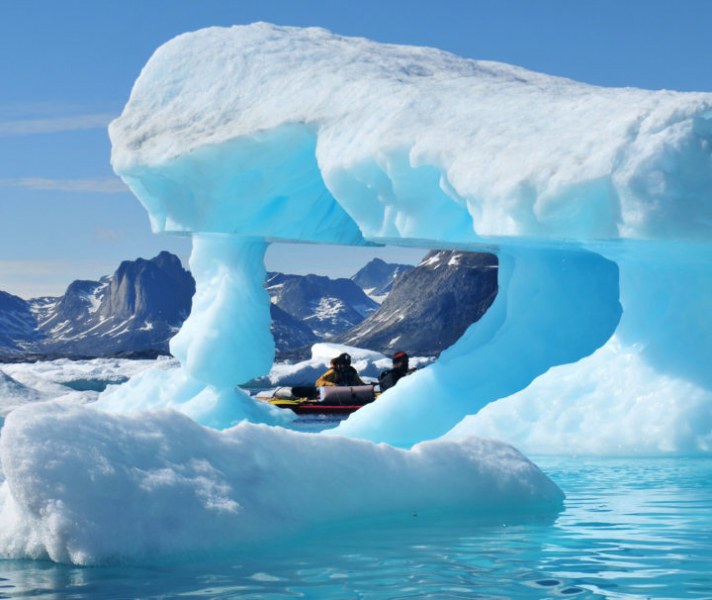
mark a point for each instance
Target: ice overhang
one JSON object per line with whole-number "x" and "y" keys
{"x": 244, "y": 135}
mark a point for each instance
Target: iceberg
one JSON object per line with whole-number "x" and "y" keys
{"x": 597, "y": 201}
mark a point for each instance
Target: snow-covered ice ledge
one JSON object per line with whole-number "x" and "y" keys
{"x": 86, "y": 487}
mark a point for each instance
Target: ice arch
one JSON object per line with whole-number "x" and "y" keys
{"x": 598, "y": 202}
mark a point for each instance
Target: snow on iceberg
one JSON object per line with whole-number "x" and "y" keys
{"x": 299, "y": 134}
{"x": 597, "y": 201}
{"x": 180, "y": 487}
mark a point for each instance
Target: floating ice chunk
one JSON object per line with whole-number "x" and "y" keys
{"x": 46, "y": 375}
{"x": 368, "y": 364}
{"x": 86, "y": 487}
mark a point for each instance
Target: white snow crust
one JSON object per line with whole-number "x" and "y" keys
{"x": 287, "y": 132}
{"x": 180, "y": 487}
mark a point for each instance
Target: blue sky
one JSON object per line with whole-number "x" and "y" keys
{"x": 67, "y": 67}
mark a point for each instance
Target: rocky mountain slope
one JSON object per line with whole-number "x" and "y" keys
{"x": 136, "y": 311}
{"x": 431, "y": 306}
{"x": 291, "y": 335}
{"x": 377, "y": 277}
{"x": 18, "y": 325}
{"x": 327, "y": 306}
{"x": 133, "y": 312}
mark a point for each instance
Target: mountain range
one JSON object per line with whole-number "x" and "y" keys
{"x": 327, "y": 306}
{"x": 136, "y": 311}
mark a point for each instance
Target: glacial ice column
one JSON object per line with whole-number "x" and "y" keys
{"x": 598, "y": 202}
{"x": 230, "y": 313}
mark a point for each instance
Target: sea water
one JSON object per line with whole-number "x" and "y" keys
{"x": 631, "y": 528}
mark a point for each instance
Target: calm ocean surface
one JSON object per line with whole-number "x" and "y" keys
{"x": 633, "y": 528}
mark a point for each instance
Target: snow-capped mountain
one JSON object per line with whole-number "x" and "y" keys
{"x": 430, "y": 306}
{"x": 18, "y": 325}
{"x": 327, "y": 306}
{"x": 134, "y": 311}
{"x": 290, "y": 334}
{"x": 142, "y": 305}
{"x": 377, "y": 277}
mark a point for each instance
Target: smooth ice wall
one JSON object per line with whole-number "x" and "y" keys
{"x": 597, "y": 201}
{"x": 646, "y": 391}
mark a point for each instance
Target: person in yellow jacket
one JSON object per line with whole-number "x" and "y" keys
{"x": 340, "y": 373}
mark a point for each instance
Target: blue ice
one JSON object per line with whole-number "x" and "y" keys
{"x": 598, "y": 203}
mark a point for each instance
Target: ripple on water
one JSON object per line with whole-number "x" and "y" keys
{"x": 630, "y": 529}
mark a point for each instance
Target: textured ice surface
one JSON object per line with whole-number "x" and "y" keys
{"x": 647, "y": 391}
{"x": 251, "y": 129}
{"x": 14, "y": 394}
{"x": 598, "y": 203}
{"x": 86, "y": 487}
{"x": 21, "y": 383}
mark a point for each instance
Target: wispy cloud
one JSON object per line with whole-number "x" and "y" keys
{"x": 41, "y": 109}
{"x": 54, "y": 124}
{"x": 107, "y": 185}
{"x": 109, "y": 235}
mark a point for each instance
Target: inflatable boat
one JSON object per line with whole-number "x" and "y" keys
{"x": 338, "y": 400}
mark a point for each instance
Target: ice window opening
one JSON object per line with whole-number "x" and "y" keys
{"x": 382, "y": 307}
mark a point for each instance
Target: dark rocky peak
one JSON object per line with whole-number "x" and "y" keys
{"x": 17, "y": 322}
{"x": 170, "y": 263}
{"x": 430, "y": 306}
{"x": 376, "y": 277}
{"x": 290, "y": 334}
{"x": 157, "y": 288}
{"x": 327, "y": 305}
{"x": 133, "y": 312}
{"x": 299, "y": 295}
